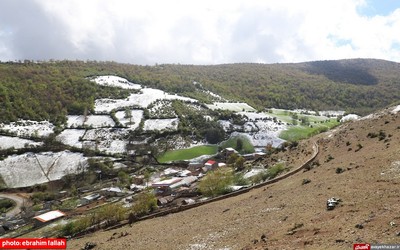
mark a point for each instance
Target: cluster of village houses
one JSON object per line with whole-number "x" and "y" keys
{"x": 171, "y": 186}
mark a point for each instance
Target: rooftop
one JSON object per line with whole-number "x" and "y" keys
{"x": 52, "y": 215}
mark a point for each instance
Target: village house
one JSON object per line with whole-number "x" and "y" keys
{"x": 228, "y": 152}
{"x": 89, "y": 199}
{"x": 221, "y": 164}
{"x": 164, "y": 200}
{"x": 112, "y": 192}
{"x": 248, "y": 157}
{"x": 136, "y": 188}
{"x": 210, "y": 165}
{"x": 258, "y": 155}
{"x": 184, "y": 173}
{"x": 48, "y": 217}
{"x": 169, "y": 172}
{"x": 195, "y": 166}
{"x": 164, "y": 186}
{"x": 185, "y": 182}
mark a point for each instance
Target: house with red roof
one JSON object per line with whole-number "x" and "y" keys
{"x": 211, "y": 164}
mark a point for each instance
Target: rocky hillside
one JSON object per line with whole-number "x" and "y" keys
{"x": 358, "y": 163}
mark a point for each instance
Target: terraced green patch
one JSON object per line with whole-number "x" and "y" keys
{"x": 296, "y": 133}
{"x": 232, "y": 142}
{"x": 187, "y": 154}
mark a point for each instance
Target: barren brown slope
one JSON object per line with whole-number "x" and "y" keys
{"x": 289, "y": 214}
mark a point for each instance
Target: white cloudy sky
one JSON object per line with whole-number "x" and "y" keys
{"x": 199, "y": 31}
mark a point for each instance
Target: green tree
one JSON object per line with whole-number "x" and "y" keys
{"x": 239, "y": 144}
{"x": 146, "y": 202}
{"x": 216, "y": 182}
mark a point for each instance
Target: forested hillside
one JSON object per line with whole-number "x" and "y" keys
{"x": 50, "y": 90}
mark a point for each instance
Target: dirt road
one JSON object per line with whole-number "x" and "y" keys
{"x": 17, "y": 199}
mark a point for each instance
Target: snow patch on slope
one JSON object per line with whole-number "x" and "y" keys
{"x": 143, "y": 99}
{"x": 26, "y": 128}
{"x": 161, "y": 124}
{"x": 29, "y": 169}
{"x": 115, "y": 81}
{"x": 71, "y": 137}
{"x": 231, "y": 106}
{"x": 7, "y": 142}
{"x": 136, "y": 114}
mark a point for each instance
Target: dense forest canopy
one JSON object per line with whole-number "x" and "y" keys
{"x": 50, "y": 90}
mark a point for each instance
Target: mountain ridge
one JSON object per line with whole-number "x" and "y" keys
{"x": 360, "y": 86}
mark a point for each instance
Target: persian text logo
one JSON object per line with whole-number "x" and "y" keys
{"x": 361, "y": 247}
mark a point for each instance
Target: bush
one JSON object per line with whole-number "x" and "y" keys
{"x": 111, "y": 214}
{"x": 330, "y": 157}
{"x": 239, "y": 180}
{"x": 260, "y": 177}
{"x": 42, "y": 196}
{"x": 217, "y": 182}
{"x": 5, "y": 205}
{"x": 339, "y": 170}
{"x": 145, "y": 203}
{"x": 275, "y": 170}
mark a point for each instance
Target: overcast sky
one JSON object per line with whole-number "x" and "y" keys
{"x": 199, "y": 31}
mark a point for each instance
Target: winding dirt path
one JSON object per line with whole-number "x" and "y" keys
{"x": 17, "y": 199}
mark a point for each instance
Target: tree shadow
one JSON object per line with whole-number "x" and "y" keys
{"x": 347, "y": 71}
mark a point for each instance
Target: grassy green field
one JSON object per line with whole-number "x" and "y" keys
{"x": 296, "y": 133}
{"x": 286, "y": 116}
{"x": 188, "y": 153}
{"x": 232, "y": 143}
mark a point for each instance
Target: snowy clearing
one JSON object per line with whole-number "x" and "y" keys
{"x": 132, "y": 123}
{"x": 94, "y": 121}
{"x": 105, "y": 134}
{"x": 252, "y": 116}
{"x": 115, "y": 81}
{"x": 110, "y": 141}
{"x": 143, "y": 99}
{"x": 7, "y": 142}
{"x": 161, "y": 124}
{"x": 75, "y": 121}
{"x": 350, "y": 117}
{"x": 231, "y": 106}
{"x": 71, "y": 137}
{"x": 26, "y": 128}
{"x": 99, "y": 121}
{"x": 396, "y": 109}
{"x": 29, "y": 169}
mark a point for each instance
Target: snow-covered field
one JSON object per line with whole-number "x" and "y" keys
{"x": 252, "y": 116}
{"x": 161, "y": 124}
{"x": 25, "y": 128}
{"x": 7, "y": 142}
{"x": 71, "y": 137}
{"x": 106, "y": 140}
{"x": 29, "y": 169}
{"x": 105, "y": 134}
{"x": 136, "y": 114}
{"x": 113, "y": 147}
{"x": 94, "y": 121}
{"x": 231, "y": 106}
{"x": 115, "y": 81}
{"x": 260, "y": 128}
{"x": 143, "y": 99}
{"x": 331, "y": 113}
{"x": 75, "y": 121}
{"x": 99, "y": 121}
